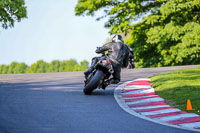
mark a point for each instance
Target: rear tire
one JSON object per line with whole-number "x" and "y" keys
{"x": 93, "y": 83}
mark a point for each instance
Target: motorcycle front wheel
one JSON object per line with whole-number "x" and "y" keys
{"x": 93, "y": 83}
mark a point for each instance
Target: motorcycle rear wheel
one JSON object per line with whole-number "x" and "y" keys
{"x": 93, "y": 83}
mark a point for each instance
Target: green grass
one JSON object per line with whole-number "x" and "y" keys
{"x": 178, "y": 86}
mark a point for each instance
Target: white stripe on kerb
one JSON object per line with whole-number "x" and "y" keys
{"x": 148, "y": 90}
{"x": 160, "y": 112}
{"x": 137, "y": 86}
{"x": 168, "y": 118}
{"x": 146, "y": 100}
{"x": 151, "y": 107}
{"x": 142, "y": 79}
{"x": 140, "y": 91}
{"x": 132, "y": 87}
{"x": 191, "y": 125}
{"x": 138, "y": 97}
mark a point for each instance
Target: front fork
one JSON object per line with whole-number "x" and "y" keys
{"x": 87, "y": 78}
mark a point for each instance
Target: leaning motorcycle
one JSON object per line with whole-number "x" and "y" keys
{"x": 102, "y": 71}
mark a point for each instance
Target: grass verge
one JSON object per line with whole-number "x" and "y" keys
{"x": 178, "y": 86}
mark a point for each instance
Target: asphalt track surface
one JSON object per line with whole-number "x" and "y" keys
{"x": 55, "y": 103}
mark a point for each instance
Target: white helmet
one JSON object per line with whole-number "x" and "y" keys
{"x": 117, "y": 38}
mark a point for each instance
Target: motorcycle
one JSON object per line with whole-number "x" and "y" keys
{"x": 102, "y": 71}
{"x": 131, "y": 64}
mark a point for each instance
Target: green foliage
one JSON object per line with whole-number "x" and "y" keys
{"x": 11, "y": 67}
{"x": 38, "y": 67}
{"x": 84, "y": 65}
{"x": 11, "y": 11}
{"x": 176, "y": 44}
{"x": 77, "y": 68}
{"x": 177, "y": 87}
{"x": 121, "y": 13}
{"x": 70, "y": 64}
{"x": 43, "y": 67}
{"x": 168, "y": 36}
{"x": 3, "y": 69}
{"x": 54, "y": 66}
{"x": 62, "y": 66}
{"x": 20, "y": 68}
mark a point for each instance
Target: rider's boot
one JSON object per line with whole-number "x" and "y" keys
{"x": 89, "y": 70}
{"x": 110, "y": 81}
{"x": 105, "y": 84}
{"x": 94, "y": 61}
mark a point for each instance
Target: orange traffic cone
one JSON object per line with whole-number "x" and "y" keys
{"x": 189, "y": 106}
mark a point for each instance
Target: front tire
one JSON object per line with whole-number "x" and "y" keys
{"x": 93, "y": 83}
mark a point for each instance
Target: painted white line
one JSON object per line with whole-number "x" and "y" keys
{"x": 132, "y": 87}
{"x": 151, "y": 107}
{"x": 138, "y": 86}
{"x": 145, "y": 101}
{"x": 148, "y": 90}
{"x": 160, "y": 112}
{"x": 138, "y": 97}
{"x": 169, "y": 118}
{"x": 142, "y": 79}
{"x": 128, "y": 82}
{"x": 191, "y": 125}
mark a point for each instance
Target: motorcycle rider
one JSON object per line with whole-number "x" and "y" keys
{"x": 118, "y": 54}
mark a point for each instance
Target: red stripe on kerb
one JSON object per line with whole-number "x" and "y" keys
{"x": 155, "y": 109}
{"x": 147, "y": 104}
{"x": 185, "y": 120}
{"x": 139, "y": 82}
{"x": 138, "y": 94}
{"x": 136, "y": 99}
{"x": 167, "y": 114}
{"x": 134, "y": 90}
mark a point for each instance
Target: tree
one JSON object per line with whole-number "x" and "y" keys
{"x": 70, "y": 64}
{"x": 38, "y": 67}
{"x": 121, "y": 13}
{"x": 84, "y": 65}
{"x": 167, "y": 35}
{"x": 54, "y": 66}
{"x": 43, "y": 67}
{"x": 3, "y": 69}
{"x": 20, "y": 68}
{"x": 11, "y": 11}
{"x": 77, "y": 68}
{"x": 62, "y": 66}
{"x": 11, "y": 67}
{"x": 170, "y": 36}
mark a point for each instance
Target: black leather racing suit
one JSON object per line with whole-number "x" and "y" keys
{"x": 118, "y": 54}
